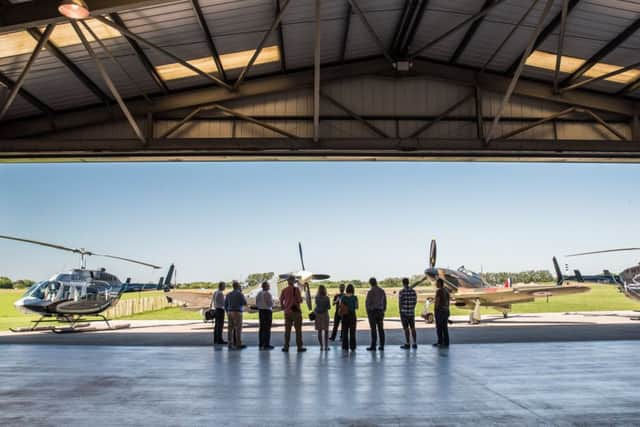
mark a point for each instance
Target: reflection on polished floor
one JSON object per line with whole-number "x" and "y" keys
{"x": 592, "y": 383}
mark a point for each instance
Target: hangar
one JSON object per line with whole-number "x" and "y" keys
{"x": 150, "y": 80}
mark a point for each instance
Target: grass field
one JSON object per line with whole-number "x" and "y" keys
{"x": 601, "y": 298}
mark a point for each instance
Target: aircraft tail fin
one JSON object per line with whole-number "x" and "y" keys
{"x": 559, "y": 275}
{"x": 579, "y": 277}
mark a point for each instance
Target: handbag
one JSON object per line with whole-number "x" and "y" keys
{"x": 209, "y": 314}
{"x": 343, "y": 309}
{"x": 312, "y": 316}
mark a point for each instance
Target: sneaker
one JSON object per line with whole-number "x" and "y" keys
{"x": 381, "y": 348}
{"x": 405, "y": 347}
{"x": 269, "y": 347}
{"x": 371, "y": 349}
{"x": 414, "y": 346}
{"x": 285, "y": 349}
{"x": 302, "y": 350}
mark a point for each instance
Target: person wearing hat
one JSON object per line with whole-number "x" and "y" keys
{"x": 290, "y": 299}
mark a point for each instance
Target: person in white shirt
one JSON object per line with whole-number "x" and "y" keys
{"x": 217, "y": 304}
{"x": 264, "y": 303}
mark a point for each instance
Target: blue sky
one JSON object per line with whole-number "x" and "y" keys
{"x": 225, "y": 220}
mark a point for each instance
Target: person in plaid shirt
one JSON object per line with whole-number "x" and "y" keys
{"x": 407, "y": 300}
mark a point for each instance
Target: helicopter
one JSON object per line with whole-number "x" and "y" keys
{"x": 469, "y": 290}
{"x": 628, "y": 280}
{"x": 71, "y": 295}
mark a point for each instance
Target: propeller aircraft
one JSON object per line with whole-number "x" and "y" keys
{"x": 201, "y": 299}
{"x": 72, "y": 295}
{"x": 628, "y": 280}
{"x": 470, "y": 291}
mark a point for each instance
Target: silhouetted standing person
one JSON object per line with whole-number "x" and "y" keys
{"x": 264, "y": 303}
{"x": 290, "y": 300}
{"x": 336, "y": 316}
{"x": 407, "y": 300}
{"x": 218, "y": 313}
{"x": 235, "y": 303}
{"x": 323, "y": 304}
{"x": 376, "y": 305}
{"x": 348, "y": 308}
{"x": 441, "y": 308}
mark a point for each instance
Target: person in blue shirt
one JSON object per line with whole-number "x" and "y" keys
{"x": 234, "y": 304}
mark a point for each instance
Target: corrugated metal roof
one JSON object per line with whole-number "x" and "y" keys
{"x": 238, "y": 25}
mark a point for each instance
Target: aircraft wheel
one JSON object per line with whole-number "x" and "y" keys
{"x": 429, "y": 318}
{"x": 505, "y": 315}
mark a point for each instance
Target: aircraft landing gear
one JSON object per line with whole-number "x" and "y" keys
{"x": 428, "y": 317}
{"x": 505, "y": 315}
{"x": 474, "y": 316}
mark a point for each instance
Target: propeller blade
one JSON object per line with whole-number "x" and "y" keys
{"x": 35, "y": 242}
{"x": 301, "y": 257}
{"x": 605, "y": 251}
{"x": 128, "y": 260}
{"x": 319, "y": 276}
{"x": 432, "y": 254}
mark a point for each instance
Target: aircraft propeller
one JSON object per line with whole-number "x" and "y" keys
{"x": 605, "y": 251}
{"x": 83, "y": 252}
{"x": 432, "y": 254}
{"x": 301, "y": 257}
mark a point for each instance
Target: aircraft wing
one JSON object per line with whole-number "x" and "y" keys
{"x": 191, "y": 299}
{"x": 505, "y": 296}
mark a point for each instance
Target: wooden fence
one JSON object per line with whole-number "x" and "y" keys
{"x": 133, "y": 306}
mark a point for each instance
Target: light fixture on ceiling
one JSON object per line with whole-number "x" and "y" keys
{"x": 74, "y": 9}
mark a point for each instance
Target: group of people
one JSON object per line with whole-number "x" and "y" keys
{"x": 346, "y": 308}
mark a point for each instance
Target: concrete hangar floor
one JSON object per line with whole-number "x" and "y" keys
{"x": 155, "y": 378}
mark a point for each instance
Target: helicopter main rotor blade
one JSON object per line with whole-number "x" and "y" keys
{"x": 49, "y": 245}
{"x": 128, "y": 260}
{"x": 301, "y": 257}
{"x": 605, "y": 251}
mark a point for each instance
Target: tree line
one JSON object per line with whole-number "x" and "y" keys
{"x": 6, "y": 283}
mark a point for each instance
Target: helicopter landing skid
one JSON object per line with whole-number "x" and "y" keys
{"x": 86, "y": 327}
{"x": 35, "y": 327}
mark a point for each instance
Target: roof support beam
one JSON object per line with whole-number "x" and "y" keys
{"x": 413, "y": 29}
{"x": 30, "y": 98}
{"x": 455, "y": 28}
{"x": 606, "y": 50}
{"x": 345, "y": 35}
{"x": 316, "y": 75}
{"x": 563, "y": 30}
{"x": 468, "y": 36}
{"x": 146, "y": 63}
{"x": 403, "y": 25}
{"x": 600, "y": 77}
{"x": 356, "y": 116}
{"x": 260, "y": 46}
{"x": 281, "y": 50}
{"x": 107, "y": 79}
{"x": 25, "y": 71}
{"x": 514, "y": 81}
{"x": 445, "y": 113}
{"x": 181, "y": 61}
{"x": 332, "y": 148}
{"x": 372, "y": 31}
{"x": 197, "y": 10}
{"x": 71, "y": 66}
{"x": 550, "y": 28}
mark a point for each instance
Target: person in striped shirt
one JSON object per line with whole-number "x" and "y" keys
{"x": 407, "y": 300}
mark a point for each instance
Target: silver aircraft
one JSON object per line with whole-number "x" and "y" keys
{"x": 71, "y": 295}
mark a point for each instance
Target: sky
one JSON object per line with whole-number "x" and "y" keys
{"x": 222, "y": 221}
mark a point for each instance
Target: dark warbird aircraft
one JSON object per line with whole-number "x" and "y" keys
{"x": 629, "y": 279}
{"x": 470, "y": 291}
{"x": 71, "y": 295}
